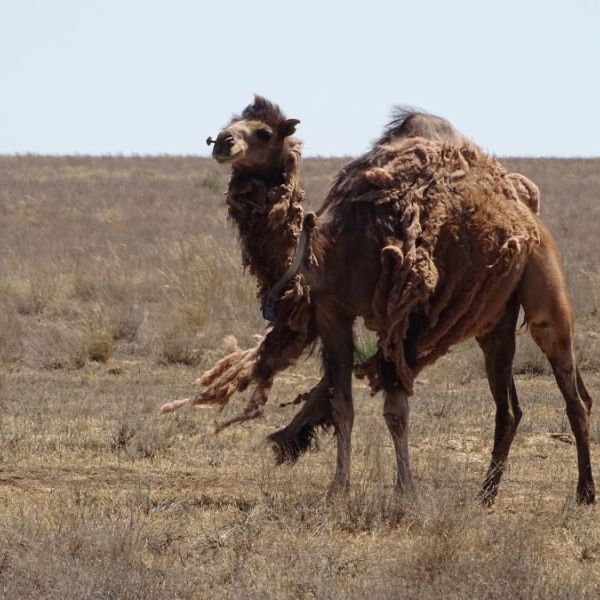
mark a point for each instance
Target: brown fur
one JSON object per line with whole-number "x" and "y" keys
{"x": 442, "y": 248}
{"x": 415, "y": 194}
{"x": 527, "y": 191}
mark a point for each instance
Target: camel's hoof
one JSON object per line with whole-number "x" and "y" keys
{"x": 282, "y": 451}
{"x": 586, "y": 493}
{"x": 288, "y": 448}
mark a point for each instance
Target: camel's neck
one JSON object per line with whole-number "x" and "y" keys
{"x": 269, "y": 216}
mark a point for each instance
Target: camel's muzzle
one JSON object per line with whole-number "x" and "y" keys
{"x": 223, "y": 147}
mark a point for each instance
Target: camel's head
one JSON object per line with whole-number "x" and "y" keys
{"x": 255, "y": 140}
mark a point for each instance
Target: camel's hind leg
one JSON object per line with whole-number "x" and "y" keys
{"x": 557, "y": 345}
{"x": 548, "y": 311}
{"x": 499, "y": 350}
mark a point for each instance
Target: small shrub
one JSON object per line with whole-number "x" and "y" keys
{"x": 150, "y": 441}
{"x": 141, "y": 438}
{"x": 100, "y": 345}
{"x": 125, "y": 322}
{"x": 99, "y": 336}
{"x": 122, "y": 436}
{"x": 58, "y": 347}
{"x": 180, "y": 345}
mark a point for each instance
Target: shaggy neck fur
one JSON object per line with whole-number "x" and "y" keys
{"x": 268, "y": 213}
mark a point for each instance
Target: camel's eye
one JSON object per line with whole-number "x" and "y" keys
{"x": 263, "y": 134}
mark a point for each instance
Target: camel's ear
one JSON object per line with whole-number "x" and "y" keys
{"x": 288, "y": 127}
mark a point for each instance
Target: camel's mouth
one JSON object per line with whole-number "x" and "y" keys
{"x": 220, "y": 158}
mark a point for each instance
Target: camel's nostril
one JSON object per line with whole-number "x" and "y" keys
{"x": 223, "y": 145}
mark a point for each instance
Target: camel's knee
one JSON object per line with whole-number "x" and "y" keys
{"x": 396, "y": 424}
{"x": 518, "y": 415}
{"x": 342, "y": 413}
{"x": 582, "y": 391}
{"x": 515, "y": 413}
{"x": 505, "y": 418}
{"x": 395, "y": 412}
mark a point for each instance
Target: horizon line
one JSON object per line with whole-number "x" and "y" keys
{"x": 304, "y": 157}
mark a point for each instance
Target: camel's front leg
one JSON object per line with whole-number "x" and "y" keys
{"x": 338, "y": 348}
{"x": 395, "y": 413}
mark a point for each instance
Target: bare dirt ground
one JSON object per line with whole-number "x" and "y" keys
{"x": 118, "y": 279}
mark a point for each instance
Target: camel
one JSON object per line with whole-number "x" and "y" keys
{"x": 443, "y": 244}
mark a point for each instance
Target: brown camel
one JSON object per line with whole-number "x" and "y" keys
{"x": 429, "y": 241}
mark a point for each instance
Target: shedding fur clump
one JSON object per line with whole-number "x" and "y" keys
{"x": 450, "y": 199}
{"x": 526, "y": 191}
{"x": 232, "y": 373}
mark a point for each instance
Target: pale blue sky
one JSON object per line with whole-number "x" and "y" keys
{"x": 133, "y": 76}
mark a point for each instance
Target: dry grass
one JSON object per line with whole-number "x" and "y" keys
{"x": 118, "y": 279}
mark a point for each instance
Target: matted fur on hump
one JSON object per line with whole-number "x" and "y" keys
{"x": 454, "y": 237}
